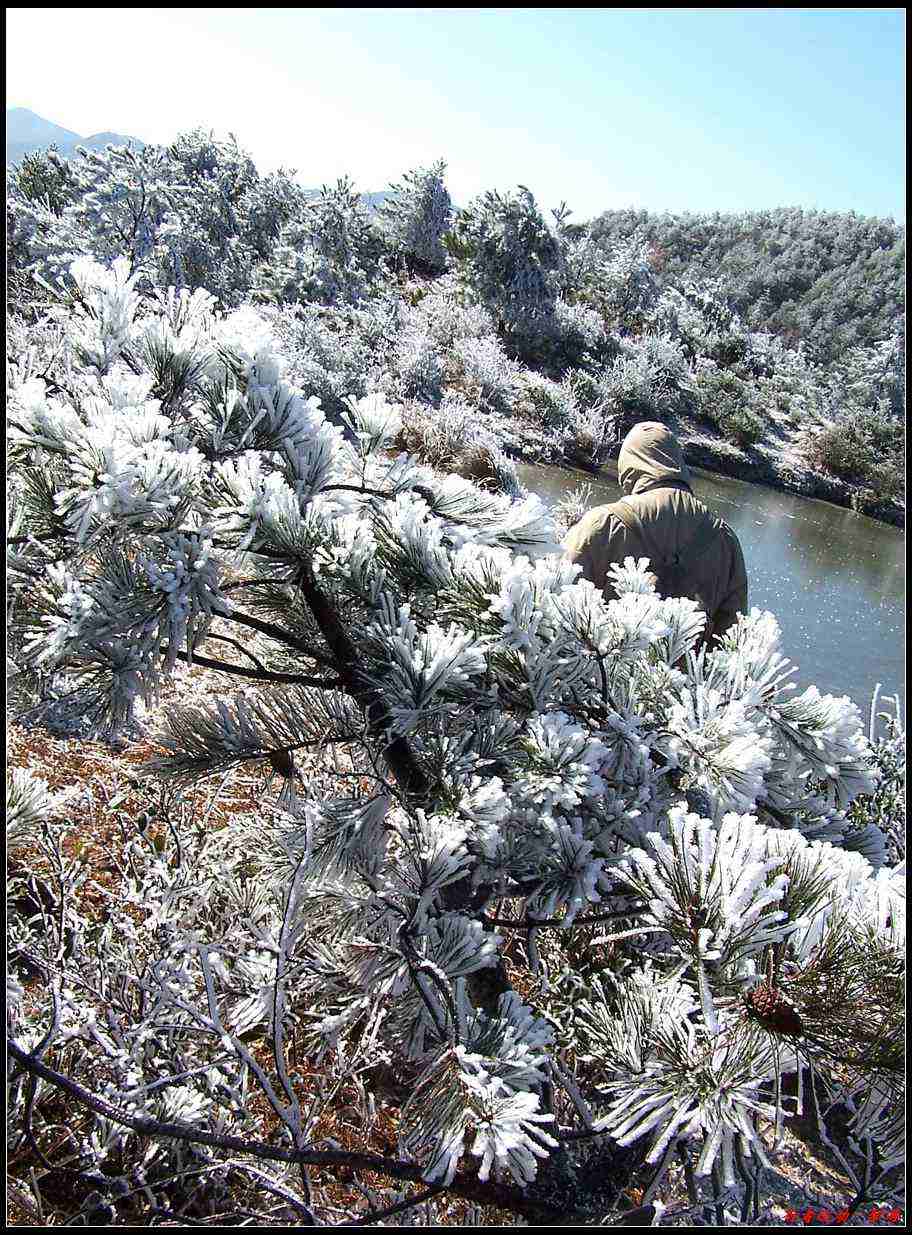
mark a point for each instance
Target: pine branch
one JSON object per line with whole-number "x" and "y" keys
{"x": 485, "y": 986}
{"x": 534, "y": 923}
{"x": 381, "y": 1214}
{"x": 781, "y": 818}
{"x": 262, "y": 675}
{"x": 234, "y": 643}
{"x": 45, "y": 539}
{"x": 463, "y": 1185}
{"x": 273, "y": 554}
{"x": 359, "y": 489}
{"x": 277, "y": 633}
{"x": 232, "y": 587}
{"x": 278, "y": 602}
{"x": 399, "y": 755}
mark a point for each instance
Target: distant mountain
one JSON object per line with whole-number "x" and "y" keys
{"x": 98, "y": 141}
{"x": 26, "y": 132}
{"x": 373, "y": 201}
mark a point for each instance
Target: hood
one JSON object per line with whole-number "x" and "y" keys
{"x": 651, "y": 458}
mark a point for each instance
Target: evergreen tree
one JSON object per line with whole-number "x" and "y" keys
{"x": 416, "y": 216}
{"x": 511, "y": 260}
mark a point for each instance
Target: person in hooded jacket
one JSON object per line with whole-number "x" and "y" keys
{"x": 691, "y": 552}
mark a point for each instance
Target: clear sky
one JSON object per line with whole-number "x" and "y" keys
{"x": 678, "y": 109}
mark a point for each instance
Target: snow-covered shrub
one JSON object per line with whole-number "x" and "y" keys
{"x": 510, "y": 259}
{"x": 587, "y": 388}
{"x": 567, "y": 427}
{"x": 593, "y": 434}
{"x": 452, "y": 438}
{"x": 448, "y": 318}
{"x": 194, "y": 214}
{"x": 117, "y": 201}
{"x": 420, "y": 366}
{"x": 331, "y": 252}
{"x": 187, "y": 258}
{"x": 862, "y": 401}
{"x": 104, "y": 305}
{"x": 43, "y": 176}
{"x": 200, "y": 241}
{"x": 742, "y": 426}
{"x": 269, "y": 204}
{"x": 618, "y": 282}
{"x": 572, "y": 506}
{"x": 328, "y": 357}
{"x": 437, "y": 437}
{"x": 545, "y": 402}
{"x": 700, "y": 319}
{"x": 416, "y": 215}
{"x": 573, "y": 335}
{"x": 861, "y": 446}
{"x": 650, "y": 378}
{"x": 579, "y": 330}
{"x": 485, "y": 371}
{"x": 876, "y": 824}
{"x": 729, "y": 403}
{"x": 871, "y": 376}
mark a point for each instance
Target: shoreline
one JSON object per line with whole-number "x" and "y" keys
{"x": 715, "y": 458}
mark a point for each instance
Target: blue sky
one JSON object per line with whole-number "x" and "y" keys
{"x": 694, "y": 109}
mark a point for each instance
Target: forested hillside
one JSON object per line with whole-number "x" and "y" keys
{"x": 365, "y": 862}
{"x": 832, "y": 281}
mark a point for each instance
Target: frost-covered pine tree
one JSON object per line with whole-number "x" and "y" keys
{"x": 193, "y": 214}
{"x": 331, "y": 251}
{"x": 513, "y": 765}
{"x": 512, "y": 261}
{"x": 416, "y": 215}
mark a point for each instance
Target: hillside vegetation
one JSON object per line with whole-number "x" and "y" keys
{"x": 506, "y": 332}
{"x": 366, "y": 864}
{"x": 831, "y": 281}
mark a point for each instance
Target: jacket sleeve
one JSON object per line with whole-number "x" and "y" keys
{"x": 734, "y": 599}
{"x": 594, "y": 543}
{"x": 579, "y": 548}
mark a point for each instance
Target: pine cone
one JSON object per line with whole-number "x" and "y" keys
{"x": 768, "y": 1006}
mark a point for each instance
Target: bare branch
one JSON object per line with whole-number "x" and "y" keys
{"x": 261, "y": 675}
{"x": 381, "y": 1214}
{"x": 463, "y": 1185}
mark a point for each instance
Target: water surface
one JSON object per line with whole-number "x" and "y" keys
{"x": 835, "y": 580}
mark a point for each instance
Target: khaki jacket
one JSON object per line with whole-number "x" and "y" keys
{"x": 656, "y": 484}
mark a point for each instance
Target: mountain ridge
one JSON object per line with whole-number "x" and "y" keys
{"x": 27, "y": 132}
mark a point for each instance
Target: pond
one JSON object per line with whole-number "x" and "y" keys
{"x": 835, "y": 580}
